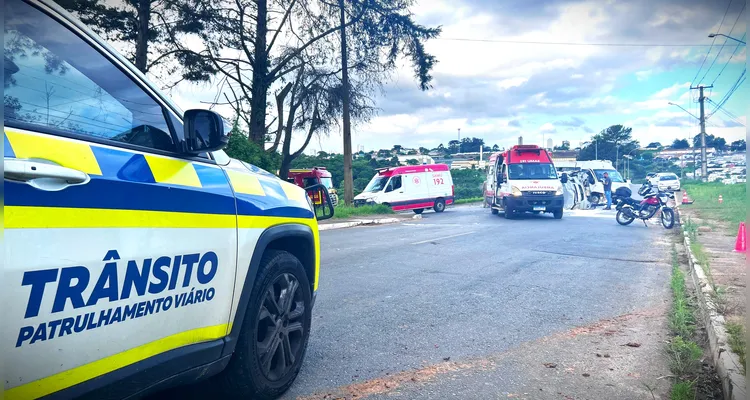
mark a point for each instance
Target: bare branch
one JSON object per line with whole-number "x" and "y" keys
{"x": 281, "y": 25}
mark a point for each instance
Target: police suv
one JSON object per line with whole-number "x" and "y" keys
{"x": 138, "y": 255}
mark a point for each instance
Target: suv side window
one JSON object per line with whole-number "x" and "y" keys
{"x": 55, "y": 81}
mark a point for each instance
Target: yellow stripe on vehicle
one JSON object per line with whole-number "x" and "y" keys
{"x": 249, "y": 222}
{"x": 172, "y": 171}
{"x": 293, "y": 192}
{"x": 67, "y": 153}
{"x": 74, "y": 376}
{"x": 245, "y": 183}
{"x": 20, "y": 217}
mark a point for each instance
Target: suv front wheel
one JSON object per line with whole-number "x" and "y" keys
{"x": 275, "y": 331}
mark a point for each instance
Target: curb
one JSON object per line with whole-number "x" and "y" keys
{"x": 727, "y": 363}
{"x": 357, "y": 222}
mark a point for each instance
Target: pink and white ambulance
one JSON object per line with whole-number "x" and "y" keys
{"x": 412, "y": 187}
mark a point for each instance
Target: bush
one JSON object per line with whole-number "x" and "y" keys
{"x": 241, "y": 148}
{"x": 344, "y": 211}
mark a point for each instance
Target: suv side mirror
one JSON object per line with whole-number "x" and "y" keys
{"x": 564, "y": 178}
{"x": 321, "y": 201}
{"x": 204, "y": 131}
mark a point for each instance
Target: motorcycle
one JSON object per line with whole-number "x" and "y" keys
{"x": 629, "y": 209}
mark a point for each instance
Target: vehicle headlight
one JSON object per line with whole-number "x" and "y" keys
{"x": 559, "y": 191}
{"x": 515, "y": 191}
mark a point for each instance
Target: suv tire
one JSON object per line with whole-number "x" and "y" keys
{"x": 251, "y": 373}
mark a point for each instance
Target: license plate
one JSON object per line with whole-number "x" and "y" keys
{"x": 539, "y": 208}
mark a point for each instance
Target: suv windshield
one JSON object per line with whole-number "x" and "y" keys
{"x": 532, "y": 171}
{"x": 613, "y": 175}
{"x": 376, "y": 184}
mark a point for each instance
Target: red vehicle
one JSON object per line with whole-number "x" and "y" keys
{"x": 305, "y": 178}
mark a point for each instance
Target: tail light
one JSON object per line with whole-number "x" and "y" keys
{"x": 453, "y": 190}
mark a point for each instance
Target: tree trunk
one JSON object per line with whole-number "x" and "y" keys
{"x": 260, "y": 77}
{"x": 141, "y": 44}
{"x": 348, "y": 179}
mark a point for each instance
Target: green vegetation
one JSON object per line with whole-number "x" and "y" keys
{"x": 342, "y": 211}
{"x": 683, "y": 390}
{"x": 470, "y": 200}
{"x": 738, "y": 342}
{"x": 701, "y": 257}
{"x": 684, "y": 354}
{"x": 706, "y": 197}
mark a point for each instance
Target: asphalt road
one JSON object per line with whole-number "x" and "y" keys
{"x": 470, "y": 305}
{"x": 455, "y": 304}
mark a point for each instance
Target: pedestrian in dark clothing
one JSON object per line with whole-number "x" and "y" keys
{"x": 607, "y": 190}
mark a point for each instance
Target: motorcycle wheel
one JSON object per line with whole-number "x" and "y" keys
{"x": 623, "y": 219}
{"x": 667, "y": 218}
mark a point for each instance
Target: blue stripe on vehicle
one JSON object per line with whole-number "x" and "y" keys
{"x": 124, "y": 195}
{"x": 123, "y": 165}
{"x": 7, "y": 148}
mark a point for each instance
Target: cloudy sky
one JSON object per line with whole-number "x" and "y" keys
{"x": 496, "y": 90}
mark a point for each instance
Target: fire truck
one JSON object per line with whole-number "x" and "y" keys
{"x": 305, "y": 178}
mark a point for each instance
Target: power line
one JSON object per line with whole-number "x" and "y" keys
{"x": 725, "y": 41}
{"x": 731, "y": 91}
{"x": 730, "y": 59}
{"x": 727, "y": 113}
{"x": 573, "y": 43}
{"x": 711, "y": 46}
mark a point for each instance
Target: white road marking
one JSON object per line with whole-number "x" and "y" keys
{"x": 444, "y": 237}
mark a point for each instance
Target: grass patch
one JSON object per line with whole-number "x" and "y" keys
{"x": 469, "y": 200}
{"x": 681, "y": 318}
{"x": 691, "y": 228}
{"x": 683, "y": 390}
{"x": 684, "y": 354}
{"x": 738, "y": 342}
{"x": 706, "y": 197}
{"x": 701, "y": 257}
{"x": 343, "y": 211}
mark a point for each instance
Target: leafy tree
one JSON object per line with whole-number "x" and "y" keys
{"x": 397, "y": 148}
{"x": 423, "y": 150}
{"x": 412, "y": 152}
{"x": 242, "y": 149}
{"x": 412, "y": 161}
{"x": 679, "y": 144}
{"x": 562, "y": 147}
{"x": 609, "y": 144}
{"x": 454, "y": 147}
{"x": 495, "y": 147}
{"x": 154, "y": 31}
{"x": 654, "y": 145}
{"x": 711, "y": 141}
{"x": 738, "y": 145}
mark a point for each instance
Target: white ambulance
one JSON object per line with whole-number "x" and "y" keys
{"x": 523, "y": 179}
{"x": 138, "y": 255}
{"x": 416, "y": 188}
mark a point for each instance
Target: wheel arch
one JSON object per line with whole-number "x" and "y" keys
{"x": 297, "y": 239}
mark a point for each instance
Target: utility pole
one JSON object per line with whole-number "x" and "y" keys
{"x": 348, "y": 178}
{"x": 701, "y": 100}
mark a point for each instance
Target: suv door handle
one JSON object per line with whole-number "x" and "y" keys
{"x": 43, "y": 174}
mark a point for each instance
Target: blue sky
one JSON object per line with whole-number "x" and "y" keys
{"x": 499, "y": 91}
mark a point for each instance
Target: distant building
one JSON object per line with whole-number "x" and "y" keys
{"x": 423, "y": 159}
{"x": 361, "y": 148}
{"x": 550, "y": 143}
{"x": 563, "y": 156}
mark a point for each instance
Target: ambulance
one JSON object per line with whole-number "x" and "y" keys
{"x": 416, "y": 188}
{"x": 138, "y": 255}
{"x": 523, "y": 179}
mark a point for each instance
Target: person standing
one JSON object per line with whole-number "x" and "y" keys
{"x": 607, "y": 182}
